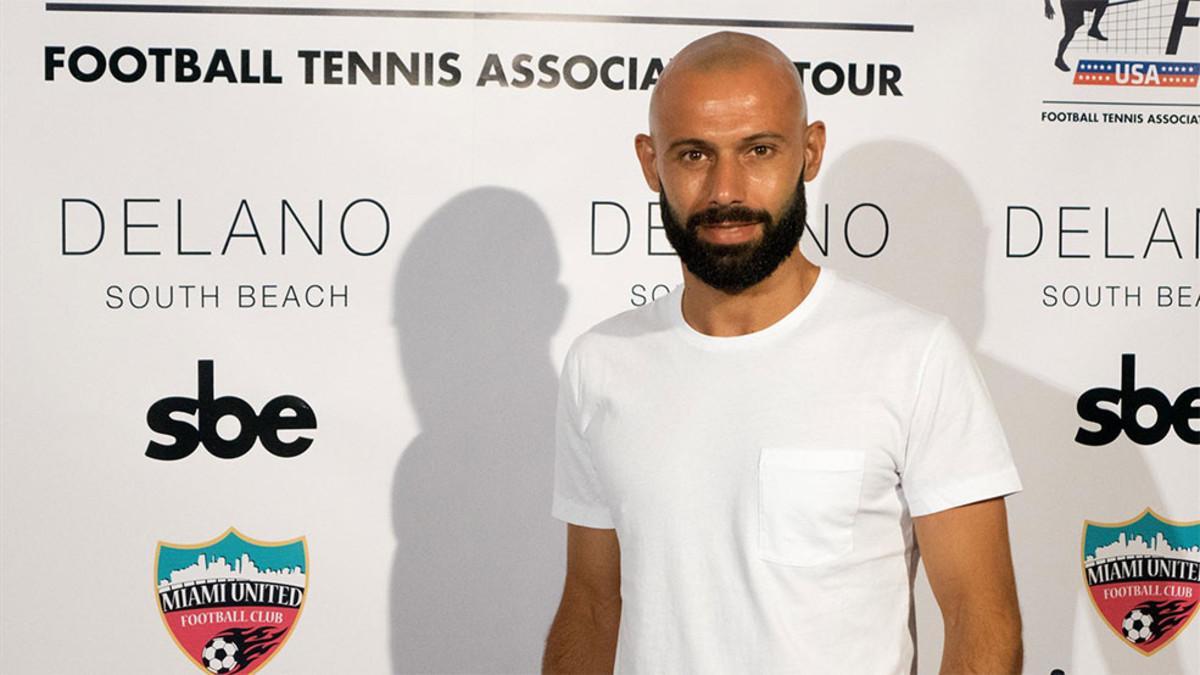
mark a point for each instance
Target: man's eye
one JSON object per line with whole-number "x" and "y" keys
{"x": 693, "y": 155}
{"x": 761, "y": 150}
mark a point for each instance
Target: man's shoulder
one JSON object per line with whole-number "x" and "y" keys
{"x": 631, "y": 329}
{"x": 859, "y": 306}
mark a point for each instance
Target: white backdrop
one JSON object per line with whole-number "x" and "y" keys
{"x": 425, "y": 496}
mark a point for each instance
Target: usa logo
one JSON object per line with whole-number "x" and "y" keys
{"x": 1143, "y": 576}
{"x": 230, "y": 603}
{"x": 1136, "y": 73}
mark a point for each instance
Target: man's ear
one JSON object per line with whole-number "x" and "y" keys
{"x": 814, "y": 149}
{"x": 644, "y": 146}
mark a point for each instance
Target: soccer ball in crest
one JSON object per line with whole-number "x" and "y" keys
{"x": 1138, "y": 626}
{"x": 221, "y": 656}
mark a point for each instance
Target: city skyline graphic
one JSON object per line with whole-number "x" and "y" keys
{"x": 1148, "y": 534}
{"x": 242, "y": 569}
{"x": 232, "y": 556}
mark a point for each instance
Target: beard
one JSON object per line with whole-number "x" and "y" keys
{"x": 733, "y": 268}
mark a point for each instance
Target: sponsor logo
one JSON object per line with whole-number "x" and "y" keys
{"x": 612, "y": 72}
{"x": 1146, "y": 26}
{"x": 231, "y": 603}
{"x": 1131, "y": 399}
{"x": 263, "y": 426}
{"x": 1163, "y": 234}
{"x": 1125, "y": 46}
{"x": 861, "y": 230}
{"x": 1143, "y": 576}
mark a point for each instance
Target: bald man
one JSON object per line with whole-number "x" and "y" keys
{"x": 749, "y": 465}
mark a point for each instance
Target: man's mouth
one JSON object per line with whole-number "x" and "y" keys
{"x": 737, "y": 232}
{"x": 732, "y": 224}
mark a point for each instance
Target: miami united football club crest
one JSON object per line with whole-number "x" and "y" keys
{"x": 231, "y": 603}
{"x": 1144, "y": 577}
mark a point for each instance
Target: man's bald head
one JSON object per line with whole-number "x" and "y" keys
{"x": 729, "y": 150}
{"x": 725, "y": 52}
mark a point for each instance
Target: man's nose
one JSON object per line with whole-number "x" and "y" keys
{"x": 727, "y": 182}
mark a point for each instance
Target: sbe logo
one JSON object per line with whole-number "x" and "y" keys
{"x": 263, "y": 426}
{"x": 1126, "y": 402}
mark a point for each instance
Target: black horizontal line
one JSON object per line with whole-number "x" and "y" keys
{"x": 1165, "y": 105}
{"x": 472, "y": 15}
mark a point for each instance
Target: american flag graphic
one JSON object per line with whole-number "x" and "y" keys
{"x": 1137, "y": 73}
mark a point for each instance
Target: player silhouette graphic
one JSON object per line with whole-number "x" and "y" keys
{"x": 1072, "y": 14}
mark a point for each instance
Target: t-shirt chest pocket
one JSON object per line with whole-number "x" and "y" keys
{"x": 807, "y": 503}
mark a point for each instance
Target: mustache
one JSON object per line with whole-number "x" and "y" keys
{"x": 718, "y": 215}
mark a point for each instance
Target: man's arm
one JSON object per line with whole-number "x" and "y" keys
{"x": 969, "y": 565}
{"x": 583, "y": 637}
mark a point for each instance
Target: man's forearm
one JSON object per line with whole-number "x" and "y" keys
{"x": 982, "y": 643}
{"x": 582, "y": 639}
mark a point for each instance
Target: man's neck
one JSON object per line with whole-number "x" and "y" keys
{"x": 721, "y": 314}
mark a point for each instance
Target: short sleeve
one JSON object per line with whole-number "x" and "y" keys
{"x": 578, "y": 497}
{"x": 957, "y": 452}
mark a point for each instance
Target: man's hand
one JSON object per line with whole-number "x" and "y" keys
{"x": 1049, "y": 10}
{"x": 969, "y": 565}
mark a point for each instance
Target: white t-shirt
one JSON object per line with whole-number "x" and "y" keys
{"x": 762, "y": 486}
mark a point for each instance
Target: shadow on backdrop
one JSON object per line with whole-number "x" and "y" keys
{"x": 935, "y": 257}
{"x": 478, "y": 568}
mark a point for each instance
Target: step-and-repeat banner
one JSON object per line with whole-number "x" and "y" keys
{"x": 287, "y": 287}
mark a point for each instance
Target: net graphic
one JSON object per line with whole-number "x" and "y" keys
{"x": 1132, "y": 26}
